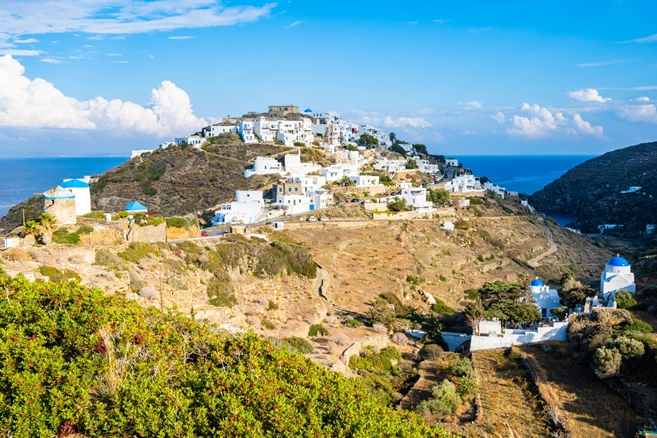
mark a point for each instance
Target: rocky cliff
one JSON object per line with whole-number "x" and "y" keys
{"x": 593, "y": 191}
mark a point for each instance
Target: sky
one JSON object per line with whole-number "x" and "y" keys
{"x": 103, "y": 77}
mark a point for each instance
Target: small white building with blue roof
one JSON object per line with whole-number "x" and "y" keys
{"x": 136, "y": 207}
{"x": 546, "y": 298}
{"x": 617, "y": 276}
{"x": 80, "y": 190}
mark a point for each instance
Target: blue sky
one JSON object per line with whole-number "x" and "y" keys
{"x": 464, "y": 77}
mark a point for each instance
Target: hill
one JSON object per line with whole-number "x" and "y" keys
{"x": 79, "y": 362}
{"x": 592, "y": 191}
{"x": 175, "y": 181}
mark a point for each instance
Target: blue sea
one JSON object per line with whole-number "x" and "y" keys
{"x": 21, "y": 178}
{"x": 521, "y": 173}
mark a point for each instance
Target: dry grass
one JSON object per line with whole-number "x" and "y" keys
{"x": 508, "y": 407}
{"x": 589, "y": 407}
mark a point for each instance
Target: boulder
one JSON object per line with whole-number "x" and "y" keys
{"x": 150, "y": 293}
{"x": 380, "y": 328}
{"x": 399, "y": 338}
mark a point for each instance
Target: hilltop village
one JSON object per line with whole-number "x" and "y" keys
{"x": 366, "y": 253}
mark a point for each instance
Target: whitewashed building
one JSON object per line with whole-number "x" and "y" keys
{"x": 246, "y": 209}
{"x": 390, "y": 166}
{"x": 365, "y": 180}
{"x": 246, "y": 131}
{"x": 80, "y": 189}
{"x": 10, "y": 242}
{"x": 425, "y": 166}
{"x": 193, "y": 140}
{"x": 415, "y": 197}
{"x": 617, "y": 276}
{"x": 499, "y": 191}
{"x": 218, "y": 129}
{"x": 463, "y": 184}
{"x": 290, "y": 132}
{"x": 338, "y": 171}
{"x": 452, "y": 162}
{"x": 264, "y": 166}
{"x": 546, "y": 298}
{"x": 294, "y": 166}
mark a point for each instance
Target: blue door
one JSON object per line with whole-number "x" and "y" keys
{"x": 312, "y": 207}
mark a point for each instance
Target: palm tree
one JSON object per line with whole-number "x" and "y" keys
{"x": 31, "y": 228}
{"x": 48, "y": 222}
{"x": 393, "y": 137}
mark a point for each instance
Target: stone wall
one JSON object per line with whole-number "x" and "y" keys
{"x": 62, "y": 209}
{"x": 516, "y": 337}
{"x": 148, "y": 234}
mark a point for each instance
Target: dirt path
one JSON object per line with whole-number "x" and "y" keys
{"x": 590, "y": 408}
{"x": 534, "y": 263}
{"x": 422, "y": 388}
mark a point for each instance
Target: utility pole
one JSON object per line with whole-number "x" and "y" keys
{"x": 23, "y": 217}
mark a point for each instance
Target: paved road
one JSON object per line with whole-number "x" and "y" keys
{"x": 534, "y": 263}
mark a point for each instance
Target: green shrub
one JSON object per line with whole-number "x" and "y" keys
{"x": 476, "y": 211}
{"x": 317, "y": 329}
{"x": 221, "y": 293}
{"x": 444, "y": 402}
{"x": 638, "y": 326}
{"x": 177, "y": 283}
{"x": 177, "y": 222}
{"x": 381, "y": 361}
{"x": 352, "y": 323}
{"x": 299, "y": 144}
{"x": 462, "y": 367}
{"x": 272, "y": 306}
{"x": 109, "y": 260}
{"x": 467, "y": 385}
{"x": 441, "y": 308}
{"x": 379, "y": 387}
{"x": 607, "y": 362}
{"x": 137, "y": 251}
{"x": 99, "y": 215}
{"x": 392, "y": 298}
{"x": 414, "y": 280}
{"x": 266, "y": 323}
{"x": 625, "y": 300}
{"x": 480, "y": 258}
{"x": 462, "y": 224}
{"x": 431, "y": 351}
{"x": 298, "y": 345}
{"x": 62, "y": 236}
{"x": 85, "y": 229}
{"x": 120, "y": 215}
{"x": 56, "y": 276}
{"x": 155, "y": 221}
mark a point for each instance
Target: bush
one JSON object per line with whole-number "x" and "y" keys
{"x": 99, "y": 215}
{"x": 62, "y": 236}
{"x": 107, "y": 259}
{"x": 85, "y": 229}
{"x": 629, "y": 348}
{"x": 398, "y": 204}
{"x": 78, "y": 362}
{"x": 177, "y": 222}
{"x": 414, "y": 280}
{"x": 441, "y": 308}
{"x": 431, "y": 352}
{"x": 467, "y": 385}
{"x": 299, "y": 144}
{"x": 317, "y": 329}
{"x": 352, "y": 323}
{"x": 221, "y": 293}
{"x": 607, "y": 362}
{"x": 298, "y": 345}
{"x": 625, "y": 300}
{"x": 381, "y": 361}
{"x": 462, "y": 224}
{"x": 636, "y": 325}
{"x": 395, "y": 301}
{"x": 462, "y": 367}
{"x": 120, "y": 215}
{"x": 137, "y": 251}
{"x": 272, "y": 306}
{"x": 155, "y": 221}
{"x": 57, "y": 276}
{"x": 444, "y": 402}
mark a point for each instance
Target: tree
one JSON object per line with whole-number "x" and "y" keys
{"x": 484, "y": 179}
{"x": 420, "y": 149}
{"x": 411, "y": 164}
{"x": 31, "y": 228}
{"x": 346, "y": 182}
{"x": 515, "y": 313}
{"x": 439, "y": 196}
{"x": 398, "y": 204}
{"x": 438, "y": 158}
{"x": 625, "y": 299}
{"x": 499, "y": 290}
{"x": 381, "y": 311}
{"x": 607, "y": 362}
{"x": 393, "y": 137}
{"x": 47, "y": 222}
{"x": 577, "y": 295}
{"x": 474, "y": 314}
{"x": 398, "y": 149}
{"x": 368, "y": 140}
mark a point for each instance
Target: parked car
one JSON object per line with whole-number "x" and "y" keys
{"x": 323, "y": 218}
{"x": 204, "y": 233}
{"x": 311, "y": 219}
{"x": 355, "y": 200}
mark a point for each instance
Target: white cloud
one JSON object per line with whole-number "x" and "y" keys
{"x": 412, "y": 22}
{"x": 601, "y": 64}
{"x": 51, "y": 60}
{"x": 184, "y": 37}
{"x": 114, "y": 54}
{"x": 119, "y": 62}
{"x": 19, "y": 52}
{"x": 647, "y": 39}
{"x": 294, "y": 24}
{"x": 588, "y": 95}
{"x": 498, "y": 117}
{"x": 638, "y": 113}
{"x": 472, "y": 105}
{"x": 643, "y": 99}
{"x": 479, "y": 29}
{"x": 546, "y": 121}
{"x": 441, "y": 21}
{"x": 39, "y": 104}
{"x": 33, "y": 17}
{"x": 26, "y": 41}
{"x": 401, "y": 122}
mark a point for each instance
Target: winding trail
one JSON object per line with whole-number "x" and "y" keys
{"x": 534, "y": 263}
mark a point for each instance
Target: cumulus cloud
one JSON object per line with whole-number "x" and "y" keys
{"x": 588, "y": 95}
{"x": 472, "y": 105}
{"x": 39, "y": 104}
{"x": 401, "y": 122}
{"x": 51, "y": 60}
{"x": 498, "y": 117}
{"x": 638, "y": 113}
{"x": 643, "y": 99}
{"x": 32, "y": 17}
{"x": 543, "y": 122}
{"x": 26, "y": 41}
{"x": 19, "y": 52}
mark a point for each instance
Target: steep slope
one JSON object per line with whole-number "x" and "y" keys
{"x": 592, "y": 191}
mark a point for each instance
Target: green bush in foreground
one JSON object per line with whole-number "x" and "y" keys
{"x": 62, "y": 236}
{"x": 76, "y": 361}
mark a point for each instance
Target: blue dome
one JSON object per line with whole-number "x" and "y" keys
{"x": 618, "y": 261}
{"x": 74, "y": 184}
{"x": 536, "y": 282}
{"x": 308, "y": 110}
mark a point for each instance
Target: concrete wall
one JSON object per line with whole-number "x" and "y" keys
{"x": 516, "y": 337}
{"x": 148, "y": 234}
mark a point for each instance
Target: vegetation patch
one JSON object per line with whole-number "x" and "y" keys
{"x": 63, "y": 236}
{"x": 370, "y": 361}
{"x": 298, "y": 345}
{"x": 137, "y": 251}
{"x": 317, "y": 330}
{"x": 56, "y": 276}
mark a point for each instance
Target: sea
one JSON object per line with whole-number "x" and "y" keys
{"x": 21, "y": 178}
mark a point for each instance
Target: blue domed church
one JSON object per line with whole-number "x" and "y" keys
{"x": 617, "y": 276}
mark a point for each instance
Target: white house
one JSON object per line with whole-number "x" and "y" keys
{"x": 264, "y": 166}
{"x": 448, "y": 226}
{"x": 294, "y": 204}
{"x": 309, "y": 183}
{"x": 338, "y": 171}
{"x": 80, "y": 189}
{"x": 193, "y": 140}
{"x": 10, "y": 242}
{"x": 324, "y": 116}
{"x": 415, "y": 197}
{"x": 616, "y": 276}
{"x": 166, "y": 144}
{"x": 499, "y": 191}
{"x": 246, "y": 209}
{"x": 463, "y": 184}
{"x": 425, "y": 166}
{"x": 246, "y": 131}
{"x": 321, "y": 198}
{"x": 390, "y": 166}
{"x": 294, "y": 166}
{"x": 365, "y": 180}
{"x": 290, "y": 132}
{"x": 139, "y": 152}
{"x": 217, "y": 129}
{"x": 352, "y": 157}
{"x": 546, "y": 298}
{"x": 265, "y": 129}
{"x": 452, "y": 162}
